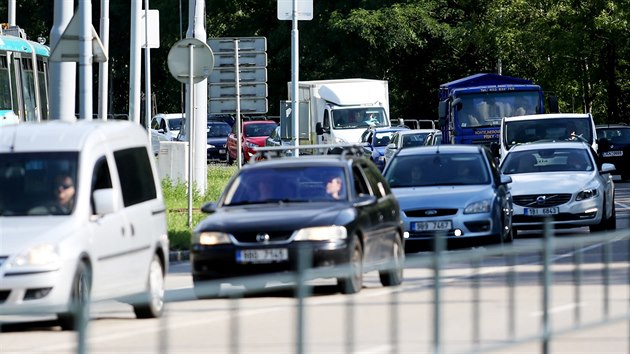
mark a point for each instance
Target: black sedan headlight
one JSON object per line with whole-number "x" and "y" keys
{"x": 211, "y": 238}
{"x": 321, "y": 233}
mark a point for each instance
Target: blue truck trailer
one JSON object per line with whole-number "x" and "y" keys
{"x": 471, "y": 108}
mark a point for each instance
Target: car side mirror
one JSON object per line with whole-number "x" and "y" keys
{"x": 105, "y": 201}
{"x": 607, "y": 168}
{"x": 365, "y": 200}
{"x": 209, "y": 208}
{"x": 506, "y": 179}
{"x": 391, "y": 146}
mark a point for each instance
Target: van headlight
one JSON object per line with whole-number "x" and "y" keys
{"x": 477, "y": 207}
{"x": 586, "y": 194}
{"x": 340, "y": 141}
{"x": 211, "y": 238}
{"x": 40, "y": 255}
{"x": 322, "y": 233}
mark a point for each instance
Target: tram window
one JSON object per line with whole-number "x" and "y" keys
{"x": 28, "y": 90}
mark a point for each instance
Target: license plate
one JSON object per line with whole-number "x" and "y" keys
{"x": 612, "y": 153}
{"x": 431, "y": 225}
{"x": 221, "y": 151}
{"x": 268, "y": 255}
{"x": 541, "y": 211}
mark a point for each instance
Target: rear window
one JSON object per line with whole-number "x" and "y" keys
{"x": 558, "y": 129}
{"x": 437, "y": 169}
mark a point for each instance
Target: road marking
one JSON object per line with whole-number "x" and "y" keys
{"x": 557, "y": 309}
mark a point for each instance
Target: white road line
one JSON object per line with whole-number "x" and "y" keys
{"x": 567, "y": 307}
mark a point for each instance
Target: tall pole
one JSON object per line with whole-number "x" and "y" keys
{"x": 295, "y": 64}
{"x": 196, "y": 29}
{"x": 134, "y": 64}
{"x": 85, "y": 60}
{"x": 62, "y": 73}
{"x": 11, "y": 12}
{"x": 103, "y": 67}
{"x": 147, "y": 71}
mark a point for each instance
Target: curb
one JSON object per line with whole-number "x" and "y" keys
{"x": 179, "y": 256}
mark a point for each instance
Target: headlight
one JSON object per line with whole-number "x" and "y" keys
{"x": 323, "y": 233}
{"x": 340, "y": 141}
{"x": 586, "y": 194}
{"x": 251, "y": 145}
{"x": 381, "y": 158}
{"x": 478, "y": 207}
{"x": 209, "y": 146}
{"x": 40, "y": 255}
{"x": 211, "y": 238}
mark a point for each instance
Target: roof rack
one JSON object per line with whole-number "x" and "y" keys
{"x": 344, "y": 150}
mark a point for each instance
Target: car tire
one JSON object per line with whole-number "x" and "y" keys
{"x": 352, "y": 284}
{"x": 152, "y": 303}
{"x": 611, "y": 222}
{"x": 79, "y": 313}
{"x": 605, "y": 223}
{"x": 205, "y": 288}
{"x": 393, "y": 276}
{"x": 228, "y": 159}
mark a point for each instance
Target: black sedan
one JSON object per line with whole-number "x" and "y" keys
{"x": 337, "y": 207}
{"x": 217, "y": 134}
{"x": 614, "y": 147}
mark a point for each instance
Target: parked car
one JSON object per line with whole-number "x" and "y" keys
{"x": 156, "y": 138}
{"x": 271, "y": 209}
{"x": 376, "y": 141}
{"x": 563, "y": 181}
{"x": 217, "y": 133}
{"x": 452, "y": 191}
{"x": 275, "y": 138}
{"x": 409, "y": 138}
{"x": 253, "y": 135}
{"x": 614, "y": 147}
{"x": 168, "y": 123}
{"x": 82, "y": 218}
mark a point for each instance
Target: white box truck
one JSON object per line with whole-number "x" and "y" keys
{"x": 338, "y": 111}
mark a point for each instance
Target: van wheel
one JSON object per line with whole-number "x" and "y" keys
{"x": 79, "y": 313}
{"x": 393, "y": 275}
{"x": 152, "y": 303}
{"x": 353, "y": 283}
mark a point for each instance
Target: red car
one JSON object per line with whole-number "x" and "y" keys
{"x": 253, "y": 135}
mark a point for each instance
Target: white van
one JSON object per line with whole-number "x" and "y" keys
{"x": 108, "y": 242}
{"x": 546, "y": 127}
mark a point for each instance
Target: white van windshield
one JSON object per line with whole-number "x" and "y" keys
{"x": 38, "y": 183}
{"x": 352, "y": 118}
{"x": 556, "y": 129}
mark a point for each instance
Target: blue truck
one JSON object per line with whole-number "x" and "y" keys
{"x": 471, "y": 108}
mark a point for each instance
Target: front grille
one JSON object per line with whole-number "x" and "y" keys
{"x": 557, "y": 217}
{"x": 4, "y": 295}
{"x": 427, "y": 213}
{"x": 541, "y": 200}
{"x": 2, "y": 260}
{"x": 251, "y": 236}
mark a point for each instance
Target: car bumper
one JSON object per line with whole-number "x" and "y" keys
{"x": 574, "y": 214}
{"x": 220, "y": 262}
{"x": 45, "y": 292}
{"x": 464, "y": 226}
{"x": 217, "y": 154}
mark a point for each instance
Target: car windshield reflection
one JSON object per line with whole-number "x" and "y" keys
{"x": 437, "y": 170}
{"x": 287, "y": 185}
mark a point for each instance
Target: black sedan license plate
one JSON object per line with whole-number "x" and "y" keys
{"x": 268, "y": 255}
{"x": 541, "y": 211}
{"x": 431, "y": 225}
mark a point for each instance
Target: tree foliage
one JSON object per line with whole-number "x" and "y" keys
{"x": 577, "y": 49}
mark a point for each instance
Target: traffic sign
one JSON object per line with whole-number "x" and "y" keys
{"x": 304, "y": 10}
{"x": 179, "y": 60}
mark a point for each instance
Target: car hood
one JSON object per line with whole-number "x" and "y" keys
{"x": 20, "y": 233}
{"x": 539, "y": 183}
{"x": 258, "y": 140}
{"x": 455, "y": 197}
{"x": 280, "y": 216}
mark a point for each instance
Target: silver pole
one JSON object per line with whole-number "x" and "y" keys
{"x": 191, "y": 136}
{"x": 147, "y": 71}
{"x": 295, "y": 64}
{"x": 85, "y": 60}
{"x": 239, "y": 133}
{"x": 103, "y": 67}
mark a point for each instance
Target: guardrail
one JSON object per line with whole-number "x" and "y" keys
{"x": 532, "y": 266}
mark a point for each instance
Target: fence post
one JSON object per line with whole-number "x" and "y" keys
{"x": 439, "y": 242}
{"x": 548, "y": 253}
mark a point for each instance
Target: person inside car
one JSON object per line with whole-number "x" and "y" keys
{"x": 64, "y": 193}
{"x": 333, "y": 187}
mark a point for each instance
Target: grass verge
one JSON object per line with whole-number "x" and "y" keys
{"x": 176, "y": 200}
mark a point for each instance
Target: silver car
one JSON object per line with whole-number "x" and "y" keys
{"x": 451, "y": 190}
{"x": 561, "y": 181}
{"x": 410, "y": 138}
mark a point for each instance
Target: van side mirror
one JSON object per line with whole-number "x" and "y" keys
{"x": 442, "y": 111}
{"x": 105, "y": 201}
{"x": 319, "y": 129}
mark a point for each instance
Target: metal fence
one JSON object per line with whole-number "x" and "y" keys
{"x": 532, "y": 270}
